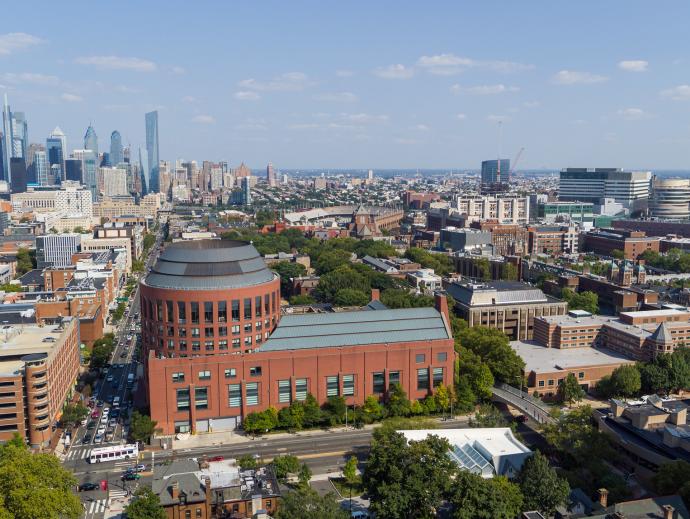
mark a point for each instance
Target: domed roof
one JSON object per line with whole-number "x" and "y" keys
{"x": 209, "y": 265}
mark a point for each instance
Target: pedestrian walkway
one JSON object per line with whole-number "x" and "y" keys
{"x": 94, "y": 508}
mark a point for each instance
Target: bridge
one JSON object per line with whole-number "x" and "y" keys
{"x": 530, "y": 406}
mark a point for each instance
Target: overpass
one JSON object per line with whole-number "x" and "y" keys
{"x": 530, "y": 406}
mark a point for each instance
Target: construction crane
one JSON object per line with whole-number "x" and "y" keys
{"x": 513, "y": 165}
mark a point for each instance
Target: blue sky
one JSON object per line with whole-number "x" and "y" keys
{"x": 378, "y": 84}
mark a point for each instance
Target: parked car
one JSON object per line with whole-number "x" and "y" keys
{"x": 86, "y": 439}
{"x": 100, "y": 431}
{"x": 130, "y": 476}
{"x": 85, "y": 487}
{"x": 98, "y": 438}
{"x": 217, "y": 458}
{"x": 95, "y": 413}
{"x": 85, "y": 421}
{"x": 112, "y": 422}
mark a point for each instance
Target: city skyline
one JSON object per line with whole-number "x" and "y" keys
{"x": 380, "y": 91}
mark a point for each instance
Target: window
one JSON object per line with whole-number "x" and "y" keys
{"x": 234, "y": 395}
{"x": 247, "y": 308}
{"x": 170, "y": 331}
{"x": 332, "y": 387}
{"x": 230, "y": 373}
{"x": 248, "y": 341}
{"x": 393, "y": 378}
{"x": 258, "y": 338}
{"x": 236, "y": 310}
{"x": 235, "y": 343}
{"x": 171, "y": 344}
{"x": 301, "y": 389}
{"x": 198, "y": 512}
{"x": 222, "y": 331}
{"x": 267, "y": 304}
{"x": 581, "y": 375}
{"x": 178, "y": 377}
{"x": 182, "y": 399}
{"x": 201, "y": 398}
{"x": 541, "y": 383}
{"x": 438, "y": 377}
{"x": 257, "y": 306}
{"x": 252, "y": 393}
{"x": 196, "y": 346}
{"x": 379, "y": 382}
{"x": 284, "y": 391}
{"x": 258, "y": 325}
{"x": 247, "y": 327}
{"x": 222, "y": 311}
{"x": 223, "y": 344}
{"x": 419, "y": 358}
{"x": 181, "y": 426}
{"x": 169, "y": 311}
{"x": 423, "y": 378}
{"x": 195, "y": 312}
{"x": 236, "y": 329}
{"x": 159, "y": 310}
{"x": 551, "y": 382}
{"x": 348, "y": 385}
{"x": 183, "y": 345}
{"x": 255, "y": 371}
{"x": 182, "y": 332}
{"x": 187, "y": 514}
{"x": 204, "y": 375}
{"x": 208, "y": 332}
{"x": 208, "y": 312}
{"x": 195, "y": 332}
{"x": 208, "y": 345}
{"x": 442, "y": 357}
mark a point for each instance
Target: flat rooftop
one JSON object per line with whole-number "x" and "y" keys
{"x": 668, "y": 312}
{"x": 569, "y": 320}
{"x": 541, "y": 359}
{"x": 19, "y": 340}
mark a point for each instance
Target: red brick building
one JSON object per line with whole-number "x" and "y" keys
{"x": 631, "y": 243}
{"x": 348, "y": 354}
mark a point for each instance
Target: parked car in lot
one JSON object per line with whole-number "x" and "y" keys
{"x": 100, "y": 431}
{"x": 85, "y": 487}
{"x": 112, "y": 422}
{"x": 95, "y": 413}
{"x": 98, "y": 438}
{"x": 86, "y": 439}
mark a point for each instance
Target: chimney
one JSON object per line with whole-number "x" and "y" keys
{"x": 668, "y": 511}
{"x": 175, "y": 490}
{"x": 375, "y": 294}
{"x": 207, "y": 487}
{"x": 603, "y": 497}
{"x": 441, "y": 304}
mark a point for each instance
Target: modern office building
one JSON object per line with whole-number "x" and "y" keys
{"x": 55, "y": 250}
{"x": 56, "y": 148}
{"x": 73, "y": 170}
{"x": 91, "y": 141}
{"x": 670, "y": 198}
{"x": 509, "y": 306}
{"x": 270, "y": 175}
{"x": 495, "y": 175}
{"x": 629, "y": 188}
{"x": 246, "y": 191}
{"x": 575, "y": 212}
{"x": 18, "y": 174}
{"x": 38, "y": 369}
{"x": 116, "y": 155}
{"x": 153, "y": 182}
{"x": 6, "y": 140}
{"x": 41, "y": 169}
{"x": 20, "y": 135}
{"x": 217, "y": 348}
{"x": 88, "y": 170}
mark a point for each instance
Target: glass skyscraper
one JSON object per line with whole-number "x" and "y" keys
{"x": 20, "y": 135}
{"x": 152, "y": 181}
{"x": 491, "y": 174}
{"x": 6, "y": 141}
{"x": 115, "y": 149}
{"x": 56, "y": 150}
{"x": 91, "y": 140}
{"x": 40, "y": 166}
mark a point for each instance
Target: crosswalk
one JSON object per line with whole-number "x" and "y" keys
{"x": 116, "y": 493}
{"x": 95, "y": 507}
{"x": 77, "y": 453}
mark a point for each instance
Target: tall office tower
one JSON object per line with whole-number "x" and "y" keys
{"x": 88, "y": 170}
{"x": 370, "y": 174}
{"x": 91, "y": 141}
{"x": 152, "y": 150}
{"x": 143, "y": 176}
{"x": 116, "y": 150}
{"x": 18, "y": 175}
{"x": 6, "y": 140}
{"x": 495, "y": 176}
{"x": 56, "y": 148}
{"x": 73, "y": 170}
{"x": 20, "y": 135}
{"x": 629, "y": 188}
{"x": 246, "y": 191}
{"x": 104, "y": 161}
{"x": 40, "y": 169}
{"x": 270, "y": 175}
{"x": 2, "y": 154}
{"x": 126, "y": 154}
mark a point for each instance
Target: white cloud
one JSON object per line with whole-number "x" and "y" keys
{"x": 497, "y": 118}
{"x": 247, "y": 96}
{"x": 190, "y": 99}
{"x": 13, "y": 41}
{"x": 449, "y": 64}
{"x": 338, "y": 97}
{"x": 204, "y": 119}
{"x": 483, "y": 89}
{"x": 288, "y": 82}
{"x": 394, "y": 72}
{"x": 344, "y": 73}
{"x": 637, "y": 65}
{"x": 633, "y": 114}
{"x": 117, "y": 63}
{"x": 677, "y": 93}
{"x": 71, "y": 98}
{"x": 178, "y": 70}
{"x": 572, "y": 77}
{"x": 461, "y": 117}
{"x": 29, "y": 77}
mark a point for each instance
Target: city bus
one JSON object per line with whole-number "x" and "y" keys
{"x": 116, "y": 452}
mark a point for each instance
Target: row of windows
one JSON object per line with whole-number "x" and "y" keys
{"x": 212, "y": 312}
{"x": 209, "y": 345}
{"x": 285, "y": 395}
{"x": 552, "y": 382}
{"x": 210, "y": 331}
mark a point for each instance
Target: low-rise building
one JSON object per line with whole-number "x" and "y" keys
{"x": 631, "y": 243}
{"x": 424, "y": 280}
{"x": 553, "y": 240}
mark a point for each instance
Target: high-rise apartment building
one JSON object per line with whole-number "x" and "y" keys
{"x": 152, "y": 150}
{"x": 270, "y": 175}
{"x": 56, "y": 148}
{"x": 629, "y": 188}
{"x": 246, "y": 191}
{"x": 116, "y": 155}
{"x": 91, "y": 141}
{"x": 503, "y": 210}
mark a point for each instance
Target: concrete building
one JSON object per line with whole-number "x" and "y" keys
{"x": 465, "y": 240}
{"x": 38, "y": 368}
{"x": 98, "y": 244}
{"x": 670, "y": 198}
{"x": 112, "y": 182}
{"x": 503, "y": 210}
{"x": 55, "y": 250}
{"x": 121, "y": 229}
{"x": 69, "y": 198}
{"x": 424, "y": 280}
{"x": 509, "y": 306}
{"x": 553, "y": 240}
{"x": 195, "y": 313}
{"x": 576, "y": 212}
{"x": 631, "y": 189}
{"x": 631, "y": 243}
{"x": 110, "y": 207}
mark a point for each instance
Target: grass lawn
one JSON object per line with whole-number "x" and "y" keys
{"x": 344, "y": 487}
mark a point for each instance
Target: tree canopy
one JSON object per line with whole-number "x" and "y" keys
{"x": 145, "y": 505}
{"x": 306, "y": 503}
{"x": 542, "y": 488}
{"x": 474, "y": 497}
{"x": 587, "y": 301}
{"x": 569, "y": 390}
{"x": 493, "y": 348}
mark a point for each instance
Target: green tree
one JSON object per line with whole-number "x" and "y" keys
{"x": 312, "y": 411}
{"x": 542, "y": 488}
{"x": 247, "y": 462}
{"x": 334, "y": 281}
{"x": 138, "y": 266}
{"x": 493, "y": 348}
{"x": 291, "y": 417}
{"x": 587, "y": 301}
{"x": 671, "y": 477}
{"x": 350, "y": 471}
{"x": 145, "y": 505}
{"x": 304, "y": 475}
{"x": 25, "y": 261}
{"x": 335, "y": 409}
{"x": 72, "y": 414}
{"x": 617, "y": 254}
{"x": 443, "y": 397}
{"x": 626, "y": 380}
{"x": 569, "y": 390}
{"x": 284, "y": 465}
{"x": 11, "y": 287}
{"x": 509, "y": 272}
{"x": 306, "y": 503}
{"x": 372, "y": 410}
{"x": 407, "y": 480}
{"x": 397, "y": 404}
{"x": 142, "y": 427}
{"x": 350, "y": 297}
{"x": 288, "y": 270}
{"x": 402, "y": 298}
{"x": 488, "y": 415}
{"x": 302, "y": 299}
{"x": 330, "y": 260}
{"x": 474, "y": 373}
{"x": 35, "y": 485}
{"x": 475, "y": 497}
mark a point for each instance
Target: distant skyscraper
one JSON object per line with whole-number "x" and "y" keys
{"x": 91, "y": 141}
{"x": 56, "y": 149}
{"x": 20, "y": 135}
{"x": 88, "y": 170}
{"x": 494, "y": 171}
{"x": 18, "y": 175}
{"x": 142, "y": 176}
{"x": 152, "y": 151}
{"x": 370, "y": 174}
{"x": 73, "y": 170}
{"x": 6, "y": 140}
{"x": 270, "y": 175}
{"x": 40, "y": 168}
{"x": 116, "y": 148}
{"x": 246, "y": 191}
